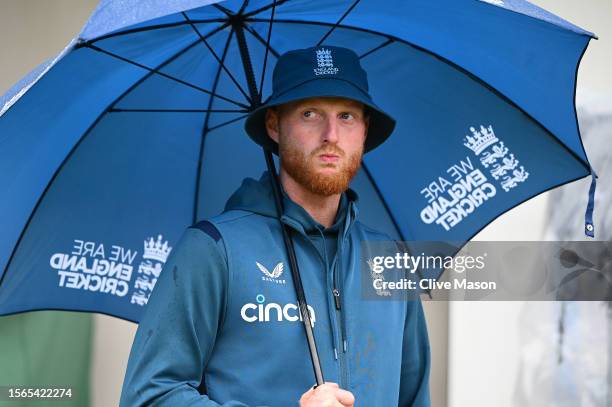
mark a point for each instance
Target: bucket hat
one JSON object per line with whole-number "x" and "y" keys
{"x": 323, "y": 71}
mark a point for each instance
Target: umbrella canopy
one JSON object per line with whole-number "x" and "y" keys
{"x": 135, "y": 130}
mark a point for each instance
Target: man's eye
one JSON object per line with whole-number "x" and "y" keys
{"x": 309, "y": 113}
{"x": 346, "y": 116}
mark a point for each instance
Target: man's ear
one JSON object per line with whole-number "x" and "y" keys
{"x": 367, "y": 124}
{"x": 272, "y": 123}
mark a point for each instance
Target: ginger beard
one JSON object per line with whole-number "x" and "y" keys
{"x": 303, "y": 167}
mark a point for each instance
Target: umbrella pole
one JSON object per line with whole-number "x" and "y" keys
{"x": 238, "y": 25}
{"x": 295, "y": 272}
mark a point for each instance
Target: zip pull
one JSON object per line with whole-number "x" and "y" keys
{"x": 336, "y": 298}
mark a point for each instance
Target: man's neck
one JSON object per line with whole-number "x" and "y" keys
{"x": 322, "y": 208}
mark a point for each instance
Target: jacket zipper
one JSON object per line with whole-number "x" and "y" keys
{"x": 341, "y": 356}
{"x": 338, "y": 303}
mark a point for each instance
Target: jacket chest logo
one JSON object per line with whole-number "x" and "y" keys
{"x": 274, "y": 312}
{"x": 274, "y": 275}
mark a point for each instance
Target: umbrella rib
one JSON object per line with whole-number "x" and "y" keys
{"x": 177, "y": 111}
{"x": 226, "y": 123}
{"x": 205, "y": 129}
{"x": 384, "y": 44}
{"x": 148, "y": 28}
{"x": 84, "y": 135}
{"x": 254, "y": 12}
{"x": 156, "y": 71}
{"x": 217, "y": 58}
{"x": 346, "y": 13}
{"x": 347, "y": 27}
{"x": 166, "y": 62}
{"x": 261, "y": 40}
{"x": 245, "y": 4}
{"x": 224, "y": 10}
{"x": 263, "y": 72}
{"x": 382, "y": 199}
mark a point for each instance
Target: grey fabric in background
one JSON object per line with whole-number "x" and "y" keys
{"x": 565, "y": 357}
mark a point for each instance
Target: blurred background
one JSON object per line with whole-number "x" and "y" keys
{"x": 483, "y": 353}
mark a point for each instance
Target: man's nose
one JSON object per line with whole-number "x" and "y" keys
{"x": 330, "y": 132}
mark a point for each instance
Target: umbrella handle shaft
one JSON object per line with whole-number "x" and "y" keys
{"x": 276, "y": 189}
{"x": 295, "y": 273}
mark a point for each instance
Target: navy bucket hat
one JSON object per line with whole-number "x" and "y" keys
{"x": 324, "y": 71}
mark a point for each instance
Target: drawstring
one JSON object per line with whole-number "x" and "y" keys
{"x": 589, "y": 228}
{"x": 352, "y": 216}
{"x": 340, "y": 286}
{"x": 330, "y": 303}
{"x": 332, "y": 319}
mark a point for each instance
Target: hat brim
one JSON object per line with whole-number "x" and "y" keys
{"x": 380, "y": 126}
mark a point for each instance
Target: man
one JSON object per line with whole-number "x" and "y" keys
{"x": 222, "y": 327}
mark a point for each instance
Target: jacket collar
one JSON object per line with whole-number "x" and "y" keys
{"x": 257, "y": 196}
{"x": 297, "y": 217}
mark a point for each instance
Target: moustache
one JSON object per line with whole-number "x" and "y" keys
{"x": 329, "y": 150}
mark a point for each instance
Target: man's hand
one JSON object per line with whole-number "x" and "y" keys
{"x": 327, "y": 395}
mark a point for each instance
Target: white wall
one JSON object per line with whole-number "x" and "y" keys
{"x": 112, "y": 342}
{"x": 32, "y": 31}
{"x": 594, "y": 16}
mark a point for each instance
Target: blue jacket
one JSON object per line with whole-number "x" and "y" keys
{"x": 222, "y": 327}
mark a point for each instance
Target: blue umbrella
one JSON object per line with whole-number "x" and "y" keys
{"x": 135, "y": 131}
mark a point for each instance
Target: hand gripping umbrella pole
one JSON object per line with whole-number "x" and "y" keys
{"x": 293, "y": 265}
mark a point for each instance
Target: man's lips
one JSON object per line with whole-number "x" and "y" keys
{"x": 329, "y": 158}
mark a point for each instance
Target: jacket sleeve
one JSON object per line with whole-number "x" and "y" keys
{"x": 177, "y": 333}
{"x": 416, "y": 361}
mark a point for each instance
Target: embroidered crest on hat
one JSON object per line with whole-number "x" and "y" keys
{"x": 325, "y": 63}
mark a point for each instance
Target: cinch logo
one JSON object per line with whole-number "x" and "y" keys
{"x": 261, "y": 312}
{"x": 274, "y": 275}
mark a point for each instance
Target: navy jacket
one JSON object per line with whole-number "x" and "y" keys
{"x": 222, "y": 327}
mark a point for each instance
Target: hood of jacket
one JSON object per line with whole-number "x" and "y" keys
{"x": 257, "y": 196}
